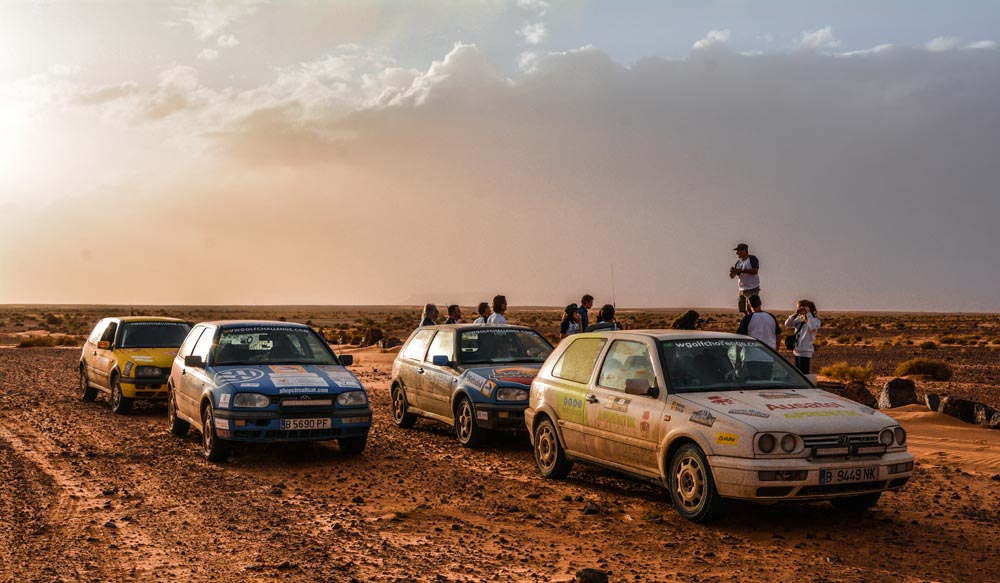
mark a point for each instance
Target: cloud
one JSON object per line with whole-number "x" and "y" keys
{"x": 211, "y": 17}
{"x": 714, "y": 38}
{"x": 982, "y": 45}
{"x": 818, "y": 39}
{"x": 943, "y": 43}
{"x": 208, "y": 55}
{"x": 537, "y": 6}
{"x": 533, "y": 33}
{"x": 227, "y": 41}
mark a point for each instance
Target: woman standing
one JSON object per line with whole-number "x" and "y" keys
{"x": 805, "y": 323}
{"x": 571, "y": 322}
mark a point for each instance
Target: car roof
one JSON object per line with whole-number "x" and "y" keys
{"x": 666, "y": 334}
{"x": 464, "y": 327}
{"x": 262, "y": 323}
{"x": 150, "y": 319}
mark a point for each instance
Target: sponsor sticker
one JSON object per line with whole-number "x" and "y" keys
{"x": 287, "y": 369}
{"x": 721, "y": 400}
{"x": 800, "y": 414}
{"x": 703, "y": 417}
{"x": 483, "y": 415}
{"x": 829, "y": 405}
{"x": 296, "y": 390}
{"x": 731, "y": 439}
{"x": 780, "y": 395}
{"x": 749, "y": 413}
{"x": 238, "y": 375}
{"x": 617, "y": 419}
{"x": 675, "y": 406}
{"x": 142, "y": 358}
{"x": 249, "y": 384}
{"x": 344, "y": 379}
{"x": 299, "y": 380}
{"x": 223, "y": 401}
{"x": 712, "y": 343}
{"x": 519, "y": 375}
{"x": 222, "y": 424}
{"x": 644, "y": 424}
{"x": 617, "y": 403}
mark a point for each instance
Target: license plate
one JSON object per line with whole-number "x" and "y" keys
{"x": 848, "y": 475}
{"x": 292, "y": 424}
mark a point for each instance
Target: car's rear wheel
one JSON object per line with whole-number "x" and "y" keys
{"x": 468, "y": 432}
{"x": 549, "y": 454}
{"x": 87, "y": 392}
{"x": 213, "y": 447}
{"x": 352, "y": 445}
{"x": 692, "y": 487}
{"x": 120, "y": 404}
{"x": 177, "y": 425}
{"x": 400, "y": 416}
{"x": 856, "y": 504}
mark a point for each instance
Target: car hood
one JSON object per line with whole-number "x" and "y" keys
{"x": 803, "y": 411}
{"x": 158, "y": 357}
{"x": 282, "y": 379}
{"x": 503, "y": 375}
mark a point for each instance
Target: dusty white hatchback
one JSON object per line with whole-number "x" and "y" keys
{"x": 709, "y": 416}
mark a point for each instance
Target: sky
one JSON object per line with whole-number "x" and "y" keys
{"x": 398, "y": 152}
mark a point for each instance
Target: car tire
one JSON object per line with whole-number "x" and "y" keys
{"x": 213, "y": 447}
{"x": 120, "y": 404}
{"x": 549, "y": 454}
{"x": 692, "y": 487}
{"x": 400, "y": 415}
{"x": 178, "y": 426}
{"x": 87, "y": 392}
{"x": 352, "y": 445}
{"x": 856, "y": 504}
{"x": 468, "y": 431}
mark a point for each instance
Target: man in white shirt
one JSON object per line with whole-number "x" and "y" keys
{"x": 499, "y": 309}
{"x": 764, "y": 327}
{"x": 746, "y": 269}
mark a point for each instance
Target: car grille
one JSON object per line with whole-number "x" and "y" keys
{"x": 844, "y": 444}
{"x": 308, "y": 403}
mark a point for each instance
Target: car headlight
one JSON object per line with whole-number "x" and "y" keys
{"x": 885, "y": 437}
{"x": 788, "y": 443}
{"x": 766, "y": 443}
{"x": 250, "y": 400}
{"x": 147, "y": 371}
{"x": 509, "y": 394}
{"x": 352, "y": 399}
{"x": 900, "y": 434}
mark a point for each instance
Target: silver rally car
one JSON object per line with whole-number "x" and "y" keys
{"x": 709, "y": 416}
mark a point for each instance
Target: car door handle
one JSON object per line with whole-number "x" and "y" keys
{"x": 184, "y": 371}
{"x": 420, "y": 370}
{"x": 592, "y": 399}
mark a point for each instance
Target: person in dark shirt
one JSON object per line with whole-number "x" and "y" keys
{"x": 454, "y": 314}
{"x": 430, "y": 315}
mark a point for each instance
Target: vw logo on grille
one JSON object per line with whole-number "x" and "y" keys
{"x": 843, "y": 440}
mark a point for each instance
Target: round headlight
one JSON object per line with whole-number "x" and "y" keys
{"x": 900, "y": 435}
{"x": 250, "y": 400}
{"x": 508, "y": 394}
{"x": 351, "y": 399}
{"x": 766, "y": 443}
{"x": 885, "y": 437}
{"x": 788, "y": 443}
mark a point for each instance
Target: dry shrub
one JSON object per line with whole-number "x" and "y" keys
{"x": 846, "y": 373}
{"x": 929, "y": 345}
{"x": 938, "y": 370}
{"x": 37, "y": 341}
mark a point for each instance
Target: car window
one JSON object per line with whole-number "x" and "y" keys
{"x": 203, "y": 346}
{"x": 727, "y": 364}
{"x": 442, "y": 345}
{"x": 271, "y": 344}
{"x": 626, "y": 360}
{"x": 190, "y": 341}
{"x": 95, "y": 336}
{"x": 503, "y": 345}
{"x": 154, "y": 334}
{"x": 418, "y": 345}
{"x": 577, "y": 362}
{"x": 109, "y": 333}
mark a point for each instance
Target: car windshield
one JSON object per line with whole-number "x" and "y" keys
{"x": 500, "y": 345}
{"x": 727, "y": 364}
{"x": 154, "y": 334}
{"x": 271, "y": 345}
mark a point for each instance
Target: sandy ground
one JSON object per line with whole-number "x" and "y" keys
{"x": 89, "y": 496}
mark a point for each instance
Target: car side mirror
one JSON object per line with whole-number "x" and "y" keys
{"x": 346, "y": 359}
{"x": 641, "y": 387}
{"x": 194, "y": 361}
{"x": 104, "y": 345}
{"x": 440, "y": 360}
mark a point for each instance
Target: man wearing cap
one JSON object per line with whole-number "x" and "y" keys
{"x": 745, "y": 268}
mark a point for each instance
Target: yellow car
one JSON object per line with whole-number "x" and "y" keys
{"x": 129, "y": 358}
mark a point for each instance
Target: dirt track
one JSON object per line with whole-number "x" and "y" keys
{"x": 89, "y": 496}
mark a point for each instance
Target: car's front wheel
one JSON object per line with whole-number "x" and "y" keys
{"x": 856, "y": 504}
{"x": 692, "y": 487}
{"x": 177, "y": 425}
{"x": 549, "y": 455}
{"x": 87, "y": 392}
{"x": 213, "y": 447}
{"x": 400, "y": 416}
{"x": 469, "y": 433}
{"x": 120, "y": 404}
{"x": 352, "y": 445}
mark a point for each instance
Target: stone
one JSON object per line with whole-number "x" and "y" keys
{"x": 896, "y": 393}
{"x": 933, "y": 401}
{"x": 983, "y": 414}
{"x": 589, "y": 575}
{"x": 859, "y": 393}
{"x": 591, "y": 508}
{"x": 962, "y": 409}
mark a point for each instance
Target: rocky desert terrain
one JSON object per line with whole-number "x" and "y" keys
{"x": 86, "y": 495}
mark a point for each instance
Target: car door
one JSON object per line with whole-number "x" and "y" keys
{"x": 89, "y": 354}
{"x": 568, "y": 390}
{"x": 411, "y": 373}
{"x": 622, "y": 426}
{"x": 194, "y": 379}
{"x": 440, "y": 381}
{"x": 104, "y": 357}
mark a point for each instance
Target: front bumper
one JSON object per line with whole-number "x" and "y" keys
{"x": 265, "y": 426}
{"x": 502, "y": 417}
{"x": 741, "y": 478}
{"x": 144, "y": 387}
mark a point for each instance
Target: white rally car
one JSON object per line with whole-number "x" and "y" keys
{"x": 709, "y": 416}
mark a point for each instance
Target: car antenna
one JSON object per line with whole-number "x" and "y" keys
{"x": 613, "y": 303}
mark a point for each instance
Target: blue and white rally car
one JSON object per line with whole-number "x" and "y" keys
{"x": 255, "y": 381}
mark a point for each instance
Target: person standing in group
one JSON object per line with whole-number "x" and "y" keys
{"x": 605, "y": 320}
{"x": 764, "y": 327}
{"x": 805, "y": 323}
{"x": 586, "y": 302}
{"x": 430, "y": 315}
{"x": 484, "y": 312}
{"x": 499, "y": 309}
{"x": 746, "y": 268}
{"x": 689, "y": 320}
{"x": 571, "y": 322}
{"x": 454, "y": 314}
